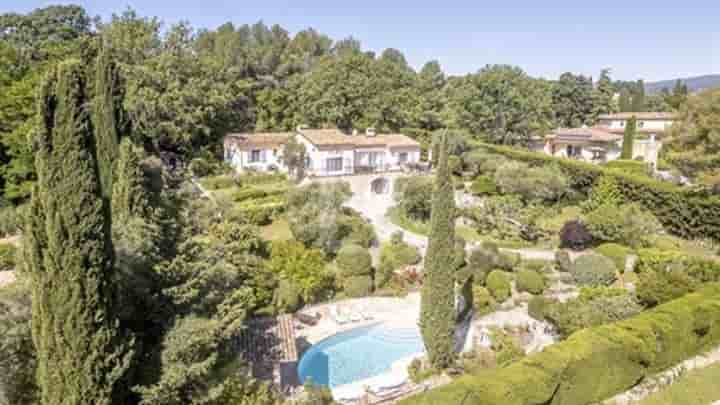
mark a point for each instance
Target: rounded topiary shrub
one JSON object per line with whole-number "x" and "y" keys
{"x": 575, "y": 235}
{"x": 483, "y": 185}
{"x": 538, "y": 306}
{"x": 353, "y": 260}
{"x": 562, "y": 258}
{"x": 498, "y": 284}
{"x": 593, "y": 270}
{"x": 618, "y": 254}
{"x": 357, "y": 286}
{"x": 287, "y": 297}
{"x": 483, "y": 302}
{"x": 530, "y": 281}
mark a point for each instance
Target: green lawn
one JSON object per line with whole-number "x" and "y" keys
{"x": 698, "y": 387}
{"x": 278, "y": 230}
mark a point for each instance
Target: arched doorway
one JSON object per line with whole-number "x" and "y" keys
{"x": 380, "y": 185}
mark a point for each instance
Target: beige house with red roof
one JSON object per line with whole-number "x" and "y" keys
{"x": 603, "y": 142}
{"x": 330, "y": 152}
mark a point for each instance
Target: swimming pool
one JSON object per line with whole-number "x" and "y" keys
{"x": 358, "y": 354}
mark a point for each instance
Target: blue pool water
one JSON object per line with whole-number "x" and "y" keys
{"x": 358, "y": 354}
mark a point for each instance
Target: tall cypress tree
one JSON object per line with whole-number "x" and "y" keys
{"x": 437, "y": 310}
{"x": 638, "y": 97}
{"x": 624, "y": 101}
{"x": 129, "y": 196}
{"x": 107, "y": 117}
{"x": 628, "y": 139}
{"x": 81, "y": 355}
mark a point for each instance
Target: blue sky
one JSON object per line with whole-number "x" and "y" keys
{"x": 635, "y": 38}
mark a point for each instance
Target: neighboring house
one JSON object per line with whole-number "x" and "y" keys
{"x": 603, "y": 142}
{"x": 330, "y": 152}
{"x": 259, "y": 151}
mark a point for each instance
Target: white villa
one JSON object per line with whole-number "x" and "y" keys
{"x": 330, "y": 152}
{"x": 603, "y": 142}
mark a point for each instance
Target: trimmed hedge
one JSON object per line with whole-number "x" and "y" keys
{"x": 636, "y": 167}
{"x": 618, "y": 254}
{"x": 595, "y": 363}
{"x": 683, "y": 212}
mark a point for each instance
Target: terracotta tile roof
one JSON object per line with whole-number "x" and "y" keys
{"x": 594, "y": 134}
{"x": 637, "y": 130}
{"x": 647, "y": 116}
{"x": 389, "y": 140}
{"x": 327, "y": 137}
{"x": 261, "y": 140}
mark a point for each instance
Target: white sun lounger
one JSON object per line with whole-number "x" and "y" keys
{"x": 349, "y": 392}
{"x": 355, "y": 315}
{"x": 337, "y": 316}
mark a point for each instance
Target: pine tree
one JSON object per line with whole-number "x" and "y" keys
{"x": 81, "y": 356}
{"x": 628, "y": 139}
{"x": 437, "y": 312}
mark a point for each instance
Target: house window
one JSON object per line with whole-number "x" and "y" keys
{"x": 334, "y": 164}
{"x": 641, "y": 124}
{"x": 403, "y": 157}
{"x": 274, "y": 152}
{"x": 622, "y": 123}
{"x": 255, "y": 156}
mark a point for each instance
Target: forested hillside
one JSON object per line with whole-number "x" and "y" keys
{"x": 183, "y": 88}
{"x": 694, "y": 84}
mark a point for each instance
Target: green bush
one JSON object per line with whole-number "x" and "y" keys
{"x": 562, "y": 259}
{"x": 200, "y": 167}
{"x": 361, "y": 233}
{"x": 596, "y": 363}
{"x": 679, "y": 209}
{"x": 394, "y": 256}
{"x": 498, "y": 284}
{"x": 248, "y": 194}
{"x": 628, "y": 224}
{"x": 593, "y": 270}
{"x": 353, "y": 260}
{"x": 8, "y": 253}
{"x": 538, "y": 306}
{"x": 575, "y": 235}
{"x": 635, "y": 167}
{"x": 414, "y": 196}
{"x": 580, "y": 313}
{"x": 483, "y": 185}
{"x": 530, "y": 281}
{"x": 547, "y": 183}
{"x": 357, "y": 286}
{"x": 262, "y": 178}
{"x": 287, "y": 297}
{"x": 618, "y": 253}
{"x": 483, "y": 302}
{"x": 605, "y": 192}
{"x": 10, "y": 220}
{"x": 259, "y": 215}
{"x": 218, "y": 182}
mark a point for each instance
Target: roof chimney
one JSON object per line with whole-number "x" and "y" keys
{"x": 370, "y": 131}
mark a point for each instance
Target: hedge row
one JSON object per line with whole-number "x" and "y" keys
{"x": 596, "y": 363}
{"x": 253, "y": 193}
{"x": 683, "y": 212}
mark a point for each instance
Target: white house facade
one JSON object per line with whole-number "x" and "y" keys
{"x": 603, "y": 142}
{"x": 329, "y": 152}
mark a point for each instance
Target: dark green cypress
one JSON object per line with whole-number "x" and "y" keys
{"x": 437, "y": 310}
{"x": 81, "y": 356}
{"x": 129, "y": 196}
{"x": 628, "y": 139}
{"x": 107, "y": 117}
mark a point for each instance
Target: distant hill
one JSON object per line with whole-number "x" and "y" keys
{"x": 694, "y": 84}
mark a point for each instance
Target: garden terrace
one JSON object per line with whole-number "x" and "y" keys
{"x": 685, "y": 212}
{"x": 599, "y": 362}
